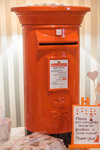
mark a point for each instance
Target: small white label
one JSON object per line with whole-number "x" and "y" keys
{"x": 58, "y": 31}
{"x": 58, "y": 74}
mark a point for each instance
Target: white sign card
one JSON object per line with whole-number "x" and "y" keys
{"x": 59, "y": 74}
{"x": 86, "y": 125}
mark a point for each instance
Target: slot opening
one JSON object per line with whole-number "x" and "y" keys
{"x": 46, "y": 44}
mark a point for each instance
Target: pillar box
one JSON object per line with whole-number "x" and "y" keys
{"x": 51, "y": 65}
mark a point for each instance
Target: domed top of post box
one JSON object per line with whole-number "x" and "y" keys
{"x": 50, "y": 14}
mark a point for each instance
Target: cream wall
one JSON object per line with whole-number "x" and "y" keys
{"x": 11, "y": 54}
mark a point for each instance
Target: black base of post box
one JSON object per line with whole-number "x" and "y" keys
{"x": 65, "y": 136}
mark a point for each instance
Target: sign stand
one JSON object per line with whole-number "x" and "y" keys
{"x": 85, "y": 126}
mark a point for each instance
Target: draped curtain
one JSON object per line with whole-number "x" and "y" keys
{"x": 11, "y": 55}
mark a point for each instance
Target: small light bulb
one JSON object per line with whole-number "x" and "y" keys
{"x": 68, "y": 8}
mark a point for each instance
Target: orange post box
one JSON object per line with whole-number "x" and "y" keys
{"x": 51, "y": 65}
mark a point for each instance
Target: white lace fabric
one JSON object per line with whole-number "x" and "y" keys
{"x": 5, "y": 126}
